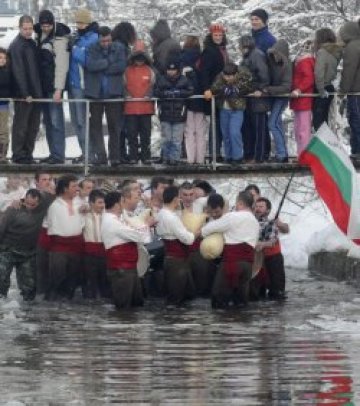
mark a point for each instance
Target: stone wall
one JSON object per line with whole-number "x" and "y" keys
{"x": 337, "y": 266}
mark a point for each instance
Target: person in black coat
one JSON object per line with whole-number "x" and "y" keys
{"x": 25, "y": 70}
{"x": 213, "y": 59}
{"x": 173, "y": 88}
{"x": 5, "y": 92}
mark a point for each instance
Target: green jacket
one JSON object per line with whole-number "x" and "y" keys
{"x": 241, "y": 87}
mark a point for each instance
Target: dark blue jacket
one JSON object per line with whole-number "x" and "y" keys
{"x": 5, "y": 84}
{"x": 190, "y": 59}
{"x": 105, "y": 67}
{"x": 263, "y": 38}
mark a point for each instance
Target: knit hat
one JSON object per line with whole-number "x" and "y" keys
{"x": 173, "y": 65}
{"x": 260, "y": 13}
{"x": 216, "y": 27}
{"x": 83, "y": 16}
{"x": 46, "y": 17}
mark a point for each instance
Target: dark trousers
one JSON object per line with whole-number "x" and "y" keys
{"x": 353, "y": 116}
{"x": 126, "y": 287}
{"x": 255, "y": 136}
{"x": 203, "y": 273}
{"x": 179, "y": 284}
{"x": 65, "y": 275}
{"x": 222, "y": 293}
{"x": 321, "y": 108}
{"x": 96, "y": 281}
{"x": 42, "y": 269}
{"x": 139, "y": 126}
{"x": 97, "y": 146}
{"x": 25, "y": 128}
{"x": 276, "y": 273}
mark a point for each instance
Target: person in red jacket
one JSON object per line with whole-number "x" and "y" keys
{"x": 139, "y": 79}
{"x": 303, "y": 82}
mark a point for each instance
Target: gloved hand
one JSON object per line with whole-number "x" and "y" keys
{"x": 324, "y": 94}
{"x": 342, "y": 106}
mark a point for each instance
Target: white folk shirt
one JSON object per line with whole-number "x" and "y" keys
{"x": 92, "y": 228}
{"x": 170, "y": 227}
{"x": 115, "y": 231}
{"x": 237, "y": 227}
{"x": 64, "y": 220}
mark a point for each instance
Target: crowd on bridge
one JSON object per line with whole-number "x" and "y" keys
{"x": 118, "y": 241}
{"x": 104, "y": 64}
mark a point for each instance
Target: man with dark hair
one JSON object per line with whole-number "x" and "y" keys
{"x": 177, "y": 239}
{"x": 253, "y": 190}
{"x": 215, "y": 206}
{"x": 27, "y": 85}
{"x": 120, "y": 242}
{"x": 85, "y": 187}
{"x": 105, "y": 65}
{"x": 19, "y": 231}
{"x": 269, "y": 244}
{"x": 65, "y": 226}
{"x": 52, "y": 40}
{"x": 94, "y": 259}
{"x": 241, "y": 231}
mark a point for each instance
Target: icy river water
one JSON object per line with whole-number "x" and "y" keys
{"x": 305, "y": 351}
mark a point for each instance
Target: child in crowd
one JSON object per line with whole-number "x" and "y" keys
{"x": 139, "y": 79}
{"x": 173, "y": 88}
{"x": 5, "y": 91}
{"x": 303, "y": 82}
{"x": 197, "y": 126}
{"x": 228, "y": 88}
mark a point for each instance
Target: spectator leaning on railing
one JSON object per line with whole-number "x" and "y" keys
{"x": 5, "y": 92}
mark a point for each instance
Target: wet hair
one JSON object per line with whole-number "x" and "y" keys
{"x": 34, "y": 193}
{"x": 247, "y": 41}
{"x": 204, "y": 185}
{"x": 186, "y": 185}
{"x": 63, "y": 183}
{"x": 267, "y": 202}
{"x": 246, "y": 198}
{"x": 156, "y": 180}
{"x": 170, "y": 194}
{"x": 127, "y": 182}
{"x": 111, "y": 199}
{"x": 215, "y": 200}
{"x": 124, "y": 32}
{"x": 104, "y": 31}
{"x": 3, "y": 51}
{"x": 322, "y": 36}
{"x": 82, "y": 182}
{"x": 252, "y": 186}
{"x": 25, "y": 19}
{"x": 192, "y": 42}
{"x": 96, "y": 194}
{"x": 39, "y": 173}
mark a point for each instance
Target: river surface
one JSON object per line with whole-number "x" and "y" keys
{"x": 305, "y": 351}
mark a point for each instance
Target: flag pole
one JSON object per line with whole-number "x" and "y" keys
{"x": 283, "y": 197}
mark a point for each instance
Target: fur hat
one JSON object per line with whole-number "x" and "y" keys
{"x": 46, "y": 17}
{"x": 260, "y": 13}
{"x": 82, "y": 15}
{"x": 216, "y": 27}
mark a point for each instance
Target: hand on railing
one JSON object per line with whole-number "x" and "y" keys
{"x": 57, "y": 96}
{"x": 208, "y": 95}
{"x": 257, "y": 93}
{"x": 295, "y": 93}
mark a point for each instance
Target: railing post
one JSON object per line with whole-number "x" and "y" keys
{"x": 213, "y": 132}
{"x": 87, "y": 130}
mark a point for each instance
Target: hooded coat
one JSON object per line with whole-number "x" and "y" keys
{"x": 54, "y": 57}
{"x": 304, "y": 80}
{"x": 280, "y": 68}
{"x": 350, "y": 78}
{"x": 164, "y": 46}
{"x": 327, "y": 59}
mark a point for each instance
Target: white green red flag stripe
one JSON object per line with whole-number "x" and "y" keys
{"x": 335, "y": 180}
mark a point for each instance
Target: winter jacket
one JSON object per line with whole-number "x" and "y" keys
{"x": 79, "y": 45}
{"x": 5, "y": 84}
{"x": 280, "y": 69}
{"x": 190, "y": 59}
{"x": 255, "y": 61}
{"x": 139, "y": 81}
{"x": 326, "y": 63}
{"x": 164, "y": 47}
{"x": 173, "y": 111}
{"x": 350, "y": 78}
{"x": 24, "y": 61}
{"x": 54, "y": 57}
{"x": 304, "y": 80}
{"x": 263, "y": 38}
{"x": 231, "y": 93}
{"x": 104, "y": 67}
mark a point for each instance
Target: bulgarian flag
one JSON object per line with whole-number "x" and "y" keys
{"x": 335, "y": 180}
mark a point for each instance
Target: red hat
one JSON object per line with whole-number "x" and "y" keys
{"x": 216, "y": 27}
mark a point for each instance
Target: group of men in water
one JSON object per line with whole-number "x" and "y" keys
{"x": 121, "y": 242}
